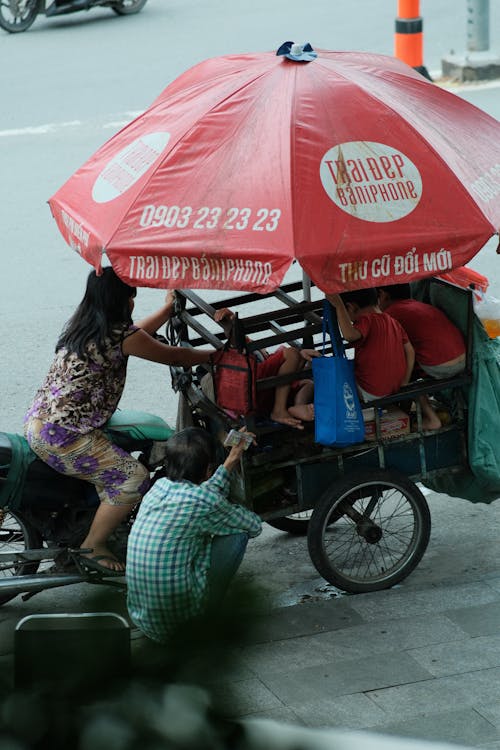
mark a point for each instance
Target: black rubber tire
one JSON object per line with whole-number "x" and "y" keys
{"x": 124, "y": 8}
{"x": 27, "y": 18}
{"x": 401, "y": 516}
{"x": 292, "y": 524}
{"x": 16, "y": 535}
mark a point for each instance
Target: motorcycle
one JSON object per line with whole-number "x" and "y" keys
{"x": 18, "y": 15}
{"x": 45, "y": 515}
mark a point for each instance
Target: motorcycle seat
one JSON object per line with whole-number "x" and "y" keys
{"x": 139, "y": 425}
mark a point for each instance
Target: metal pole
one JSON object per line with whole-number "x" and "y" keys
{"x": 409, "y": 37}
{"x": 478, "y": 62}
{"x": 478, "y": 25}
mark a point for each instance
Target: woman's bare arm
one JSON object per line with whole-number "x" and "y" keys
{"x": 141, "y": 344}
{"x": 154, "y": 321}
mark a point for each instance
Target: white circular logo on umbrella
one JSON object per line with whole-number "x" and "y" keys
{"x": 128, "y": 166}
{"x": 371, "y": 181}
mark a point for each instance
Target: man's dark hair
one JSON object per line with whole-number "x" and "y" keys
{"x": 361, "y": 297}
{"x": 189, "y": 455}
{"x": 397, "y": 291}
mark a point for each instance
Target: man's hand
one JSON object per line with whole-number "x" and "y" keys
{"x": 237, "y": 451}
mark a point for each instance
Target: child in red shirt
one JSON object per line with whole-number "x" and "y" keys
{"x": 439, "y": 345}
{"x": 383, "y": 355}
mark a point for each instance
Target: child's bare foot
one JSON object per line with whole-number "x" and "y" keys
{"x": 287, "y": 419}
{"x": 305, "y": 412}
{"x": 431, "y": 422}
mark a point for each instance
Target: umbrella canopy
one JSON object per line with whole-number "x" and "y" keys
{"x": 350, "y": 163}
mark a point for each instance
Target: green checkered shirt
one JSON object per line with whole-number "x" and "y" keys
{"x": 169, "y": 547}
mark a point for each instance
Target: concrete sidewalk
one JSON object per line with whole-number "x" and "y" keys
{"x": 419, "y": 662}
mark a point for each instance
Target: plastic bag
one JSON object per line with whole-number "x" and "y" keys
{"x": 487, "y": 309}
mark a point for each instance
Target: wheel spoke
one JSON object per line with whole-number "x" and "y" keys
{"x": 372, "y": 532}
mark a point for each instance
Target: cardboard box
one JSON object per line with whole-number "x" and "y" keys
{"x": 393, "y": 422}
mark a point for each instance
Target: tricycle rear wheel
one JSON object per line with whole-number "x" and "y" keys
{"x": 370, "y": 531}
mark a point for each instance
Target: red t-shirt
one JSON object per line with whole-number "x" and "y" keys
{"x": 379, "y": 359}
{"x": 435, "y": 339}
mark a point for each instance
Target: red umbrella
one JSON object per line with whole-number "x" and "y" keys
{"x": 350, "y": 163}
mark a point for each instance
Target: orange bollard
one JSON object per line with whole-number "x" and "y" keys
{"x": 409, "y": 37}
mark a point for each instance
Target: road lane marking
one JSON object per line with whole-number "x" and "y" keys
{"x": 53, "y": 127}
{"x": 50, "y": 127}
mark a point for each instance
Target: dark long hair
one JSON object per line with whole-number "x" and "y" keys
{"x": 104, "y": 307}
{"x": 189, "y": 455}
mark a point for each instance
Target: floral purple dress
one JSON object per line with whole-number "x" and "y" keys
{"x": 63, "y": 425}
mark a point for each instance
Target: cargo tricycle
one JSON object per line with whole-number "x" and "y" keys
{"x": 366, "y": 518}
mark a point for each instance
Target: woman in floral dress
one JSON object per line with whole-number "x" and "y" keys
{"x": 64, "y": 425}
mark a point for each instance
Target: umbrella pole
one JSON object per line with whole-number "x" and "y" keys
{"x": 307, "y": 340}
{"x": 306, "y": 287}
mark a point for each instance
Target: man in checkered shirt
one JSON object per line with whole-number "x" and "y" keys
{"x": 188, "y": 539}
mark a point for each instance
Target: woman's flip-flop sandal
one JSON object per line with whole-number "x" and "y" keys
{"x": 92, "y": 563}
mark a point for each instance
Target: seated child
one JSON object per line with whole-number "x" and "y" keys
{"x": 383, "y": 355}
{"x": 188, "y": 540}
{"x": 283, "y": 361}
{"x": 439, "y": 345}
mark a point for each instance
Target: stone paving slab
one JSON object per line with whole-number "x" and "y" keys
{"x": 459, "y": 691}
{"x": 490, "y": 711}
{"x": 478, "y": 620}
{"x": 245, "y": 697}
{"x": 304, "y": 619}
{"x": 466, "y": 727}
{"x": 459, "y": 656}
{"x": 340, "y": 678}
{"x": 355, "y": 711}
{"x": 400, "y": 602}
{"x": 494, "y": 582}
{"x": 355, "y": 642}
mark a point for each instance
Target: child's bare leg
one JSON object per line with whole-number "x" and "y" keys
{"x": 293, "y": 362}
{"x": 430, "y": 420}
{"x": 303, "y": 407}
{"x": 305, "y": 394}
